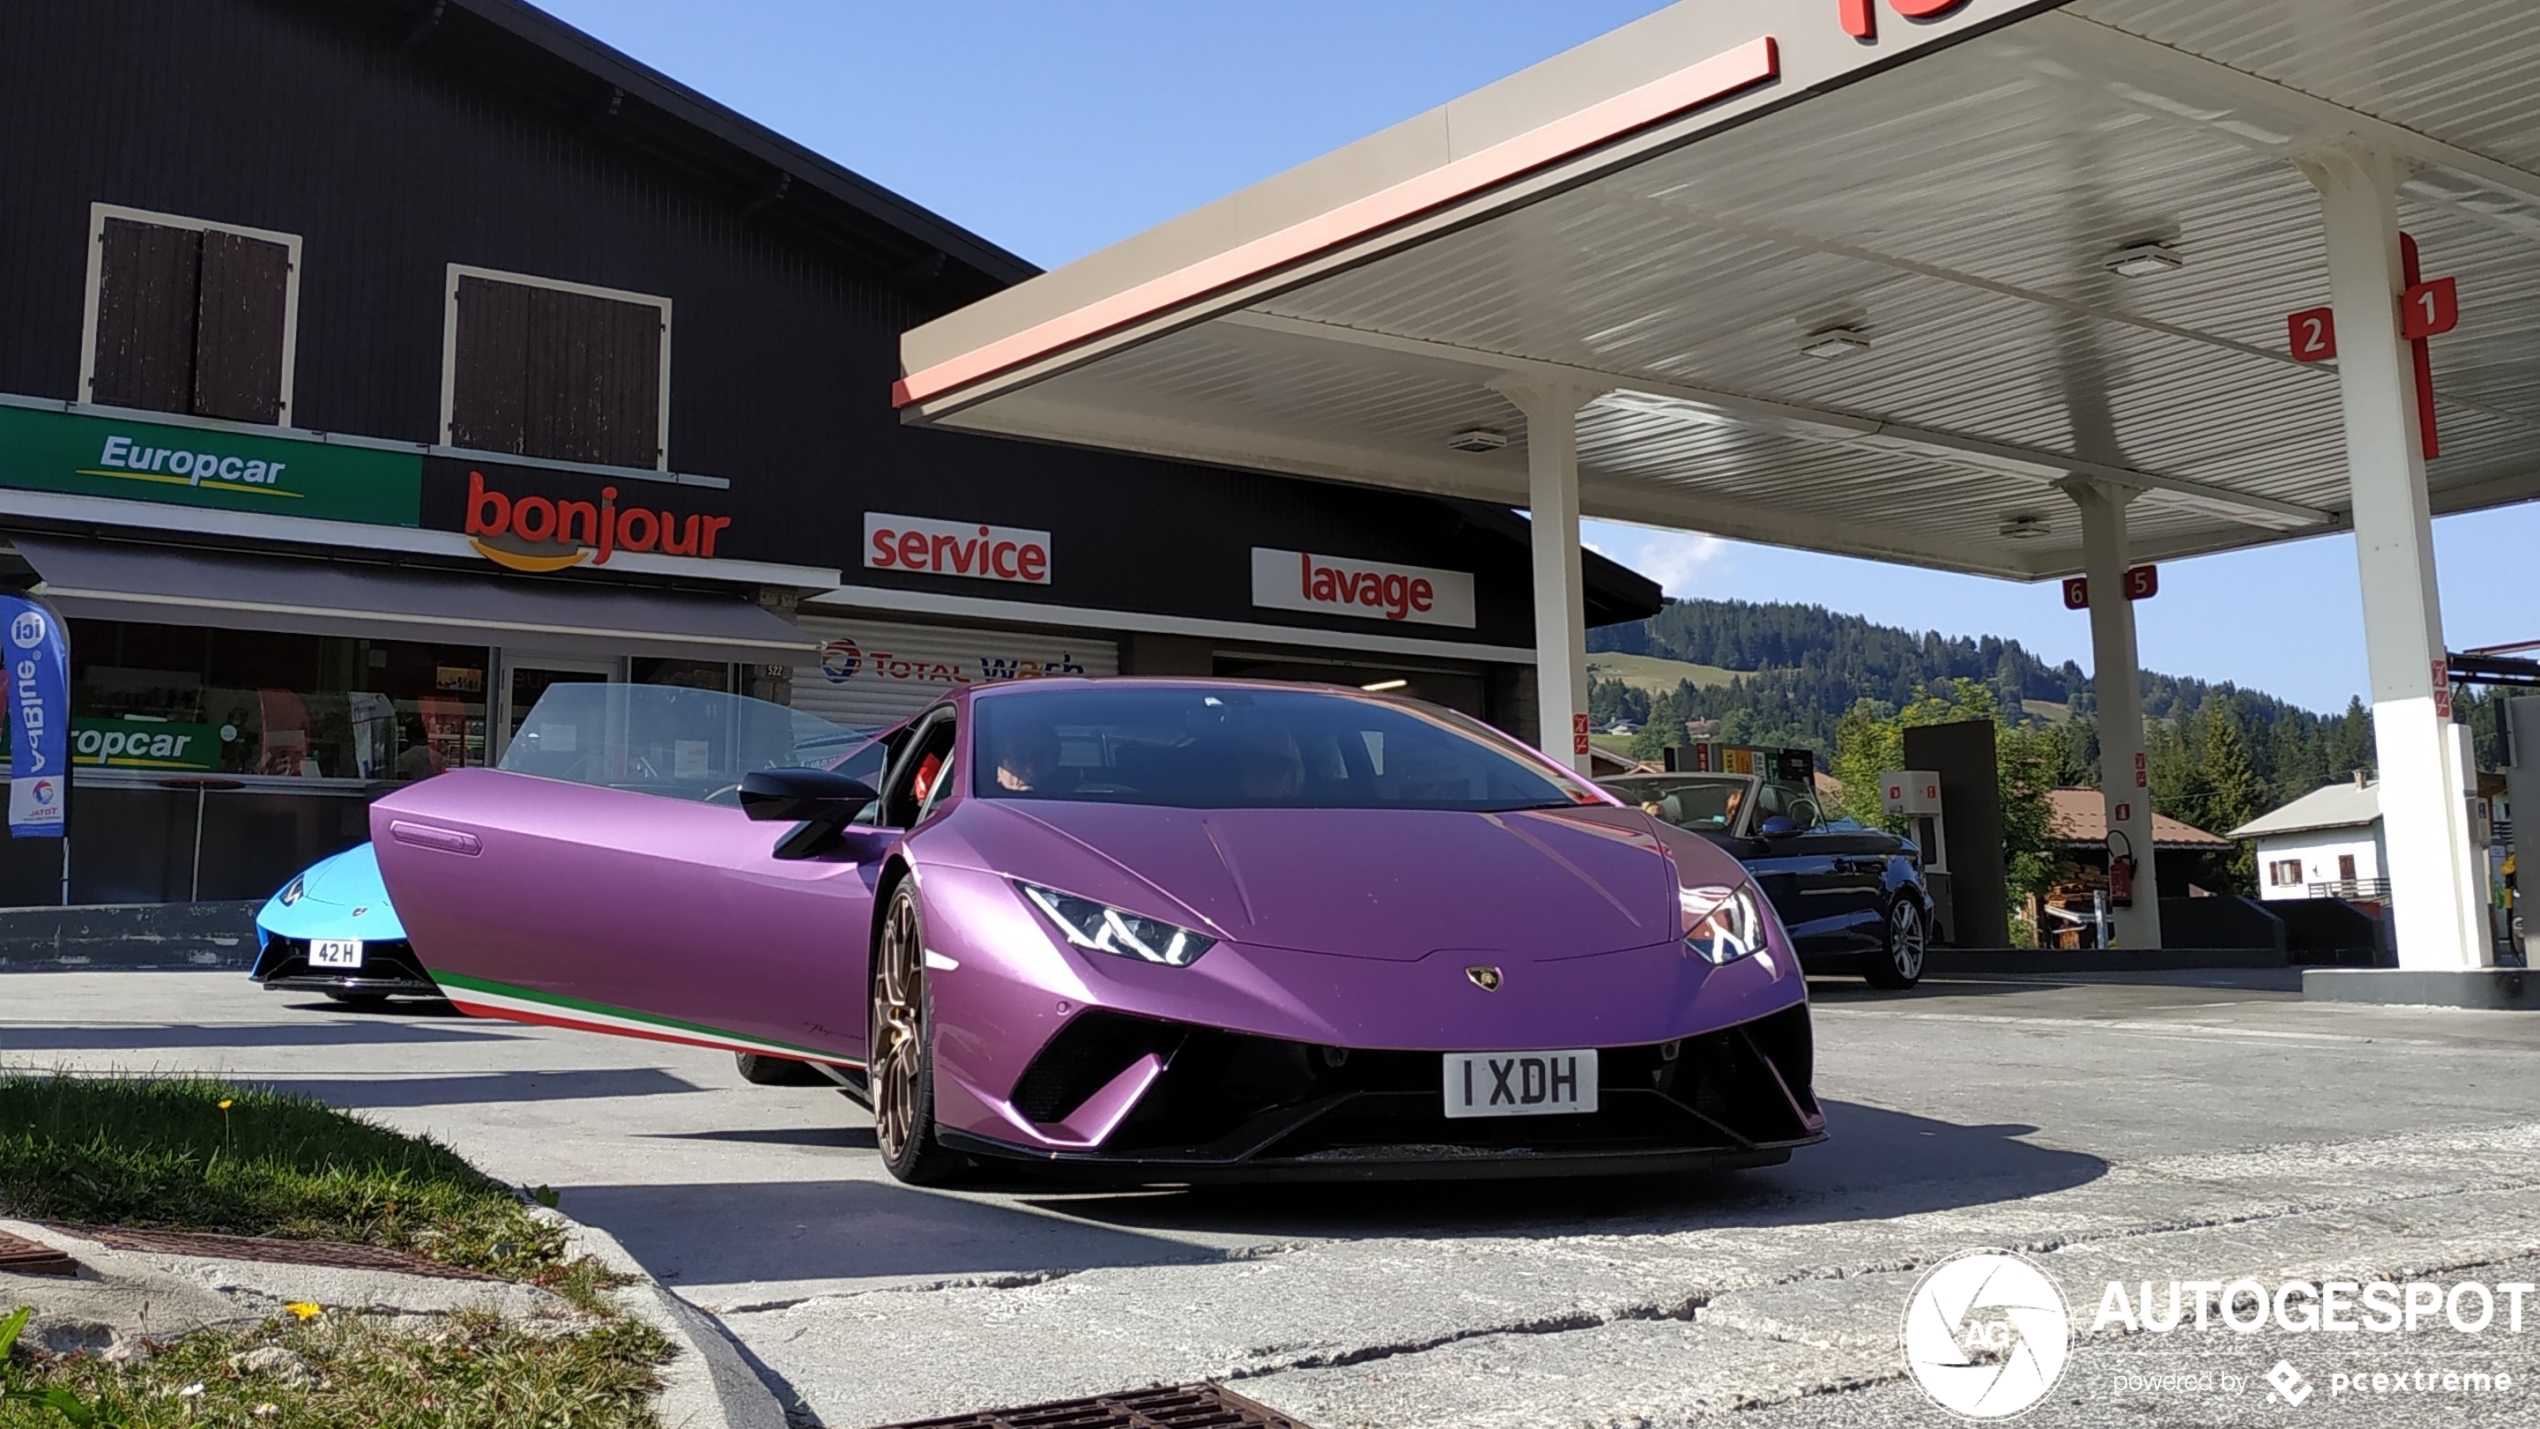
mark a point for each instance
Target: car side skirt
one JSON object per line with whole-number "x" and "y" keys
{"x": 479, "y": 997}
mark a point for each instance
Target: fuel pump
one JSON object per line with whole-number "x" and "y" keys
{"x": 1914, "y": 796}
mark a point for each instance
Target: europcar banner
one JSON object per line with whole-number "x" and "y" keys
{"x": 39, "y": 674}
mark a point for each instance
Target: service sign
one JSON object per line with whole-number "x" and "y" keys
{"x": 955, "y": 548}
{"x": 225, "y": 469}
{"x": 1367, "y": 590}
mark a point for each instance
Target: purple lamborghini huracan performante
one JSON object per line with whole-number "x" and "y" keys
{"x": 1154, "y": 931}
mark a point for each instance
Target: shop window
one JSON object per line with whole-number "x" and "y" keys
{"x": 162, "y": 700}
{"x": 557, "y": 370}
{"x": 189, "y": 316}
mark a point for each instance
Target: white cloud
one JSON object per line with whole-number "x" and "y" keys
{"x": 1677, "y": 560}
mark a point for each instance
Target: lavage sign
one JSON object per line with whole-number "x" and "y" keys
{"x": 1368, "y": 590}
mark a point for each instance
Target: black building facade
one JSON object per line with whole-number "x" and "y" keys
{"x": 368, "y": 365}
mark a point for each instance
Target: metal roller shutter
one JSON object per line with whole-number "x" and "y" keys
{"x": 874, "y": 672}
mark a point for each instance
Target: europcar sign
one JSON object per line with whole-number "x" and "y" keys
{"x": 220, "y": 468}
{"x": 145, "y": 744}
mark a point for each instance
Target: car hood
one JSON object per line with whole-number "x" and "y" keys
{"x": 1399, "y": 885}
{"x": 340, "y": 897}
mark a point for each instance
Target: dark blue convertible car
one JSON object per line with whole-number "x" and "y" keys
{"x": 1852, "y": 896}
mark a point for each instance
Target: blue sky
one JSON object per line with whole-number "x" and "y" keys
{"x": 1055, "y": 129}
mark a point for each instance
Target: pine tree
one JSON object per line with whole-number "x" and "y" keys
{"x": 2233, "y": 794}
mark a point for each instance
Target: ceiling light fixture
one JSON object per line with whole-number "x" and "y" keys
{"x": 2024, "y": 528}
{"x": 1835, "y": 342}
{"x": 2145, "y": 260}
{"x": 1381, "y": 686}
{"x": 1478, "y": 439}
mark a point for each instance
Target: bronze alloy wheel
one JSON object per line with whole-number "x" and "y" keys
{"x": 903, "y": 1072}
{"x": 1903, "y": 965}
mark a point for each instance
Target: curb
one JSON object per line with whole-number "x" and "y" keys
{"x": 709, "y": 1384}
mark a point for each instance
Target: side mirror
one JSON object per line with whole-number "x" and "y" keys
{"x": 1772, "y": 828}
{"x": 789, "y": 796}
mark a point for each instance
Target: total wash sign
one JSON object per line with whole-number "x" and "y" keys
{"x": 39, "y": 661}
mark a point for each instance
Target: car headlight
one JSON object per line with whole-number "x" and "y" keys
{"x": 1100, "y": 928}
{"x": 291, "y": 891}
{"x": 1722, "y": 925}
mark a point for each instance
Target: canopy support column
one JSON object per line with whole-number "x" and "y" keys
{"x": 2437, "y": 886}
{"x": 2116, "y": 677}
{"x": 1552, "y": 486}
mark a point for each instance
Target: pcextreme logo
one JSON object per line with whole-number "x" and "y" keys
{"x": 540, "y": 533}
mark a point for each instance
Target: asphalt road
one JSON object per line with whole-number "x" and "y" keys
{"x": 2172, "y": 1128}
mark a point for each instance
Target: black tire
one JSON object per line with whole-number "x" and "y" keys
{"x": 902, "y": 1079}
{"x": 764, "y": 1071}
{"x": 364, "y": 1001}
{"x": 1899, "y": 964}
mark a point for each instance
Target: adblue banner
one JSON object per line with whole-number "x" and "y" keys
{"x": 225, "y": 469}
{"x": 39, "y": 674}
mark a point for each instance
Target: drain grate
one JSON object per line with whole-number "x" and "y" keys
{"x": 20, "y": 1256}
{"x": 1184, "y": 1406}
{"x": 267, "y": 1250}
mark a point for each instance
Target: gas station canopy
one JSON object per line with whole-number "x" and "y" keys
{"x": 1995, "y": 286}
{"x": 1874, "y": 295}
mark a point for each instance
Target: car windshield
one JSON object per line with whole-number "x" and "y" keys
{"x": 669, "y": 740}
{"x": 1231, "y": 747}
{"x": 1692, "y": 801}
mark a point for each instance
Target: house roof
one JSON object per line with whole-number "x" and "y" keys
{"x": 2345, "y": 804}
{"x": 615, "y": 98}
{"x": 2080, "y": 816}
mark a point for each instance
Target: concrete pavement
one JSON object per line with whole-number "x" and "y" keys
{"x": 2179, "y": 1127}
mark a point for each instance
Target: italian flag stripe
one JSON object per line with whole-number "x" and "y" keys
{"x": 481, "y": 997}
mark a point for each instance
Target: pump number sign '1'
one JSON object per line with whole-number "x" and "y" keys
{"x": 39, "y": 662}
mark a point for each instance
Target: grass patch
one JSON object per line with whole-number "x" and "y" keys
{"x": 470, "y": 1371}
{"x": 206, "y": 1156}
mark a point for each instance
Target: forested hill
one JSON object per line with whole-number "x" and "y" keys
{"x": 1799, "y": 667}
{"x": 1878, "y": 661}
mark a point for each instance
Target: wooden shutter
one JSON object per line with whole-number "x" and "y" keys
{"x": 149, "y": 278}
{"x": 548, "y": 373}
{"x": 490, "y": 377}
{"x": 629, "y": 339}
{"x": 240, "y": 328}
{"x": 594, "y": 379}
